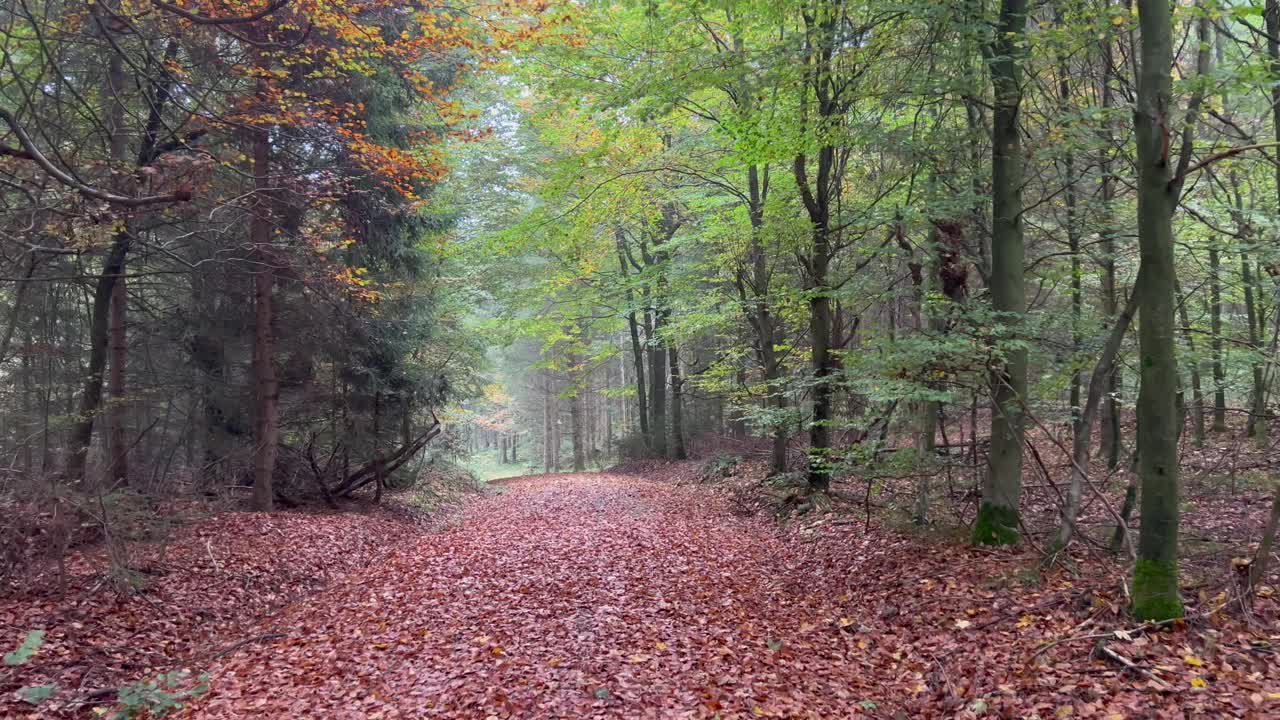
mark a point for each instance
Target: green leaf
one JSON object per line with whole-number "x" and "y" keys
{"x": 30, "y": 645}
{"x": 36, "y": 694}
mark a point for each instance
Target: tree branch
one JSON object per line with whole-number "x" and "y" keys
{"x": 71, "y": 182}
{"x": 199, "y": 19}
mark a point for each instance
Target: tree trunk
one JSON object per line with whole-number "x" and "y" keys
{"x": 1215, "y": 342}
{"x": 91, "y": 396}
{"x": 678, "y": 451}
{"x": 760, "y": 316}
{"x": 113, "y": 266}
{"x": 820, "y": 357}
{"x": 19, "y": 301}
{"x": 104, "y": 296}
{"x": 265, "y": 388}
{"x": 1257, "y": 393}
{"x": 657, "y": 387}
{"x": 1197, "y": 391}
{"x": 1262, "y": 558}
{"x": 27, "y": 427}
{"x": 1272, "y": 18}
{"x": 547, "y": 428}
{"x": 556, "y": 438}
{"x": 998, "y": 522}
{"x": 1155, "y": 580}
{"x": 575, "y": 421}
{"x": 1110, "y": 444}
{"x": 1073, "y": 233}
{"x": 117, "y": 442}
{"x": 1082, "y": 430}
{"x": 379, "y": 479}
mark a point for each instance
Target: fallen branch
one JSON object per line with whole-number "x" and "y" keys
{"x": 1119, "y": 634}
{"x": 386, "y": 465}
{"x": 247, "y": 641}
{"x": 1102, "y": 648}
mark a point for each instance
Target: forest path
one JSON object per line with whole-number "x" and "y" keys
{"x": 573, "y": 596}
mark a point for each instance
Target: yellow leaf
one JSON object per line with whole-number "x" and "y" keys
{"x": 1026, "y": 621}
{"x": 844, "y": 622}
{"x": 1065, "y": 711}
{"x": 1192, "y": 660}
{"x": 660, "y": 645}
{"x": 1199, "y": 683}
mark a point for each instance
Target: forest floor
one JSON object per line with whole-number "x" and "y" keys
{"x": 641, "y": 595}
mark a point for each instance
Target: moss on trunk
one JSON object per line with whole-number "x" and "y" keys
{"x": 996, "y": 525}
{"x": 1155, "y": 590}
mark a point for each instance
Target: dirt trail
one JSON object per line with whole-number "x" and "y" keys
{"x": 567, "y": 597}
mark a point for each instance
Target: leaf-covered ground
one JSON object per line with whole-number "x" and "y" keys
{"x": 196, "y": 595}
{"x": 617, "y": 596}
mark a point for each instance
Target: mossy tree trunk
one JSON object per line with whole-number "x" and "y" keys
{"x": 1155, "y": 575}
{"x": 997, "y": 522}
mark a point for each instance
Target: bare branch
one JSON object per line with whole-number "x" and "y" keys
{"x": 86, "y": 190}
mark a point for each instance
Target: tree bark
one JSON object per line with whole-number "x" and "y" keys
{"x": 657, "y": 386}
{"x": 575, "y": 421}
{"x": 821, "y": 30}
{"x": 266, "y": 397}
{"x": 117, "y": 441}
{"x": 1073, "y": 233}
{"x": 1215, "y": 342}
{"x": 1155, "y": 580}
{"x": 998, "y": 522}
{"x": 1197, "y": 390}
{"x": 1110, "y": 444}
{"x": 1256, "y": 427}
{"x": 547, "y": 428}
{"x": 753, "y": 289}
{"x": 637, "y": 349}
{"x": 678, "y": 451}
{"x": 379, "y": 475}
{"x": 1262, "y": 558}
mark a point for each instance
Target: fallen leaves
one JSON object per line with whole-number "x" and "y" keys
{"x": 204, "y": 592}
{"x": 605, "y": 596}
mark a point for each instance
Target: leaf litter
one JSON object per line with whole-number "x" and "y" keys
{"x": 628, "y": 596}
